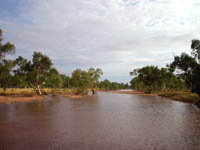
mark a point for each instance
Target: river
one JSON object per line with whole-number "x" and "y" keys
{"x": 104, "y": 121}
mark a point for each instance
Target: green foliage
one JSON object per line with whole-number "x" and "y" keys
{"x": 34, "y": 73}
{"x": 151, "y": 78}
{"x": 6, "y": 66}
{"x": 94, "y": 75}
{"x": 107, "y": 85}
{"x": 5, "y": 73}
{"x": 65, "y": 81}
{"x": 195, "y": 46}
{"x": 7, "y": 48}
{"x": 183, "y": 72}
{"x": 82, "y": 80}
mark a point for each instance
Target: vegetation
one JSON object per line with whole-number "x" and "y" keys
{"x": 182, "y": 74}
{"x": 180, "y": 95}
{"x": 40, "y": 75}
{"x": 107, "y": 85}
{"x": 151, "y": 78}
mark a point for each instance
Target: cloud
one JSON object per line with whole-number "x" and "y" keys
{"x": 116, "y": 35}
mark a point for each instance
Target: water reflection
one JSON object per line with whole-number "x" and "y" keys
{"x": 102, "y": 121}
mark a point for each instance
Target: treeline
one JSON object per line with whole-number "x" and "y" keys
{"x": 182, "y": 73}
{"x": 39, "y": 73}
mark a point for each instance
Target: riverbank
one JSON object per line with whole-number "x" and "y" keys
{"x": 7, "y": 99}
{"x": 183, "y": 96}
{"x": 26, "y": 95}
{"x": 135, "y": 92}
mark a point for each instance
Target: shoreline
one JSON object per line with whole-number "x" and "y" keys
{"x": 135, "y": 92}
{"x": 17, "y": 95}
{"x": 8, "y": 99}
{"x": 181, "y": 96}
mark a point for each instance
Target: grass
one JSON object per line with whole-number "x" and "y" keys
{"x": 30, "y": 91}
{"x": 183, "y": 96}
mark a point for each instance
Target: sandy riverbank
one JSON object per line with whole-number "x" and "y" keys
{"x": 25, "y": 95}
{"x": 182, "y": 96}
{"x": 7, "y": 99}
{"x": 135, "y": 92}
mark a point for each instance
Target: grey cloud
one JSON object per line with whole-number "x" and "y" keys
{"x": 116, "y": 35}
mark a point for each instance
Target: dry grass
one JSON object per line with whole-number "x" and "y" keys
{"x": 23, "y": 95}
{"x": 30, "y": 91}
{"x": 19, "y": 98}
{"x": 183, "y": 96}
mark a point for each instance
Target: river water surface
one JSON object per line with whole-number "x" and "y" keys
{"x": 103, "y": 121}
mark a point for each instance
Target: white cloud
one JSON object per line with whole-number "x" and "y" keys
{"x": 116, "y": 35}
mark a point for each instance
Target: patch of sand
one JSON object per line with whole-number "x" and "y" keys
{"x": 73, "y": 96}
{"x": 134, "y": 92}
{"x": 19, "y": 98}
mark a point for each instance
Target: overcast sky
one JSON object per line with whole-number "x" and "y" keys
{"x": 114, "y": 35}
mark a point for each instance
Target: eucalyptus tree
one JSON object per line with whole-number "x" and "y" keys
{"x": 186, "y": 64}
{"x": 7, "y": 48}
{"x": 53, "y": 79}
{"x": 149, "y": 76}
{"x": 65, "y": 81}
{"x": 94, "y": 75}
{"x": 195, "y": 46}
{"x": 6, "y": 66}
{"x": 34, "y": 72}
{"x": 80, "y": 80}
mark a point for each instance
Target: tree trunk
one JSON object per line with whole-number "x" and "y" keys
{"x": 4, "y": 90}
{"x": 37, "y": 87}
{"x": 38, "y": 91}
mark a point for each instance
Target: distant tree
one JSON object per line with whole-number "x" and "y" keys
{"x": 53, "y": 79}
{"x": 149, "y": 76}
{"x": 65, "y": 81}
{"x": 105, "y": 84}
{"x": 80, "y": 80}
{"x": 94, "y": 75}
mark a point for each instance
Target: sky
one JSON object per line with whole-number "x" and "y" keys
{"x": 114, "y": 35}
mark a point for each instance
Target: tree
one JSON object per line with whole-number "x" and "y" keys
{"x": 35, "y": 72}
{"x": 187, "y": 65}
{"x": 94, "y": 75}
{"x": 152, "y": 78}
{"x": 41, "y": 64}
{"x": 53, "y": 79}
{"x": 149, "y": 76}
{"x": 65, "y": 81}
{"x": 6, "y": 66}
{"x": 195, "y": 46}
{"x": 7, "y": 48}
{"x": 80, "y": 80}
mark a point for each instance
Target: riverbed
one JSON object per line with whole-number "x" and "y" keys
{"x": 103, "y": 121}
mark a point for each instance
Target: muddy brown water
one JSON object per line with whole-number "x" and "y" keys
{"x": 106, "y": 121}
